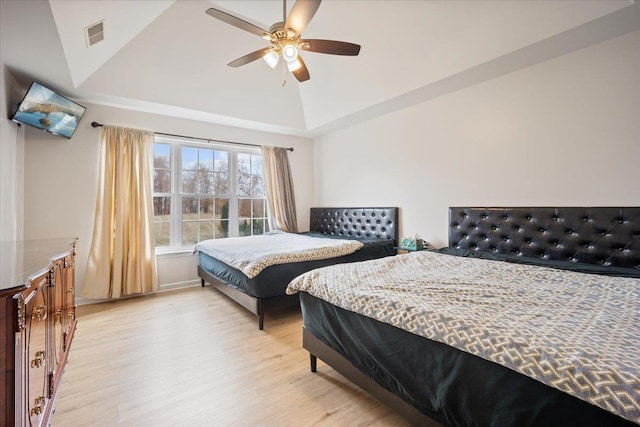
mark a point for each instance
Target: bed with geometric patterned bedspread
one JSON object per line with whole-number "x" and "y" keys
{"x": 450, "y": 340}
{"x": 260, "y": 286}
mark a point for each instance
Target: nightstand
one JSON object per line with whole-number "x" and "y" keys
{"x": 402, "y": 251}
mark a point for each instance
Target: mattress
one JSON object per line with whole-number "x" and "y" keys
{"x": 273, "y": 280}
{"x": 568, "y": 330}
{"x": 451, "y": 386}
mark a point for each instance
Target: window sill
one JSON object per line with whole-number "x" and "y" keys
{"x": 174, "y": 253}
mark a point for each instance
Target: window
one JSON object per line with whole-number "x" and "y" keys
{"x": 252, "y": 212}
{"x": 206, "y": 191}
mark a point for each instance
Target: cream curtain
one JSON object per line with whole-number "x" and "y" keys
{"x": 121, "y": 258}
{"x": 280, "y": 196}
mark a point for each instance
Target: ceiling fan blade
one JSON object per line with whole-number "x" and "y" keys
{"x": 332, "y": 47}
{"x": 250, "y": 57}
{"x": 235, "y": 21}
{"x": 301, "y": 13}
{"x": 302, "y": 73}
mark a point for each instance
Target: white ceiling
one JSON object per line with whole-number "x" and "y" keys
{"x": 170, "y": 57}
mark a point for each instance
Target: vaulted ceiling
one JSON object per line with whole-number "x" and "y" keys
{"x": 170, "y": 57}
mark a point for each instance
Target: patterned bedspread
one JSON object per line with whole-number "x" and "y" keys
{"x": 252, "y": 254}
{"x": 579, "y": 333}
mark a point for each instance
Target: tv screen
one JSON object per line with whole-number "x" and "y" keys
{"x": 44, "y": 109}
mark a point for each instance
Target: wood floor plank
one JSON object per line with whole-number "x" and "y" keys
{"x": 194, "y": 357}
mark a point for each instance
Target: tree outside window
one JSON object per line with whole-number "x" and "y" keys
{"x": 252, "y": 213}
{"x": 193, "y": 197}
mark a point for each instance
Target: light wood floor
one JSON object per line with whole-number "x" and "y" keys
{"x": 195, "y": 358}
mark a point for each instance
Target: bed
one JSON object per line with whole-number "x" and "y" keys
{"x": 474, "y": 373}
{"x": 375, "y": 227}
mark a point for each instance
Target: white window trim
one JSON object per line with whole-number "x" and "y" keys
{"x": 175, "y": 144}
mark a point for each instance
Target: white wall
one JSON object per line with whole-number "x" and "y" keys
{"x": 564, "y": 132}
{"x": 11, "y": 159}
{"x": 61, "y": 180}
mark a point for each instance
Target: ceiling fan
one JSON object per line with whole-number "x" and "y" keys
{"x": 285, "y": 38}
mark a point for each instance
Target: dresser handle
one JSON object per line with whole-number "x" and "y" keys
{"x": 39, "y": 312}
{"x": 38, "y": 361}
{"x": 39, "y": 403}
{"x": 70, "y": 291}
{"x": 71, "y": 315}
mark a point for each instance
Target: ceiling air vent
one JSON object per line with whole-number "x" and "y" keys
{"x": 94, "y": 33}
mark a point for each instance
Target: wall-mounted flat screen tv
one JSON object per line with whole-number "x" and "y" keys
{"x": 44, "y": 109}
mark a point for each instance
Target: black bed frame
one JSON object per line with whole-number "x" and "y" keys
{"x": 360, "y": 222}
{"x": 606, "y": 236}
{"x": 255, "y": 305}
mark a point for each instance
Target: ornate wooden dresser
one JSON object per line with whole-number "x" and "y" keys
{"x": 37, "y": 322}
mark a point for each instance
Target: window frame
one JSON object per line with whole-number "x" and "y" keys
{"x": 176, "y": 191}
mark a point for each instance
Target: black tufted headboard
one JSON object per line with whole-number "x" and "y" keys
{"x": 608, "y": 236}
{"x": 381, "y": 223}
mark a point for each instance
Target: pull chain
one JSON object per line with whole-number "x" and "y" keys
{"x": 284, "y": 74}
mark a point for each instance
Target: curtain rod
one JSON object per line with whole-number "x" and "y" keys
{"x": 96, "y": 124}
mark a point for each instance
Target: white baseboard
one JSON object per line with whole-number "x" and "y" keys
{"x": 162, "y": 288}
{"x": 179, "y": 285}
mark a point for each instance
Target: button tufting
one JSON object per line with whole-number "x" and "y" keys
{"x": 585, "y": 235}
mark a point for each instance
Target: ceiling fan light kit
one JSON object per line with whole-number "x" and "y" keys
{"x": 285, "y": 39}
{"x": 271, "y": 58}
{"x": 289, "y": 53}
{"x": 294, "y": 65}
